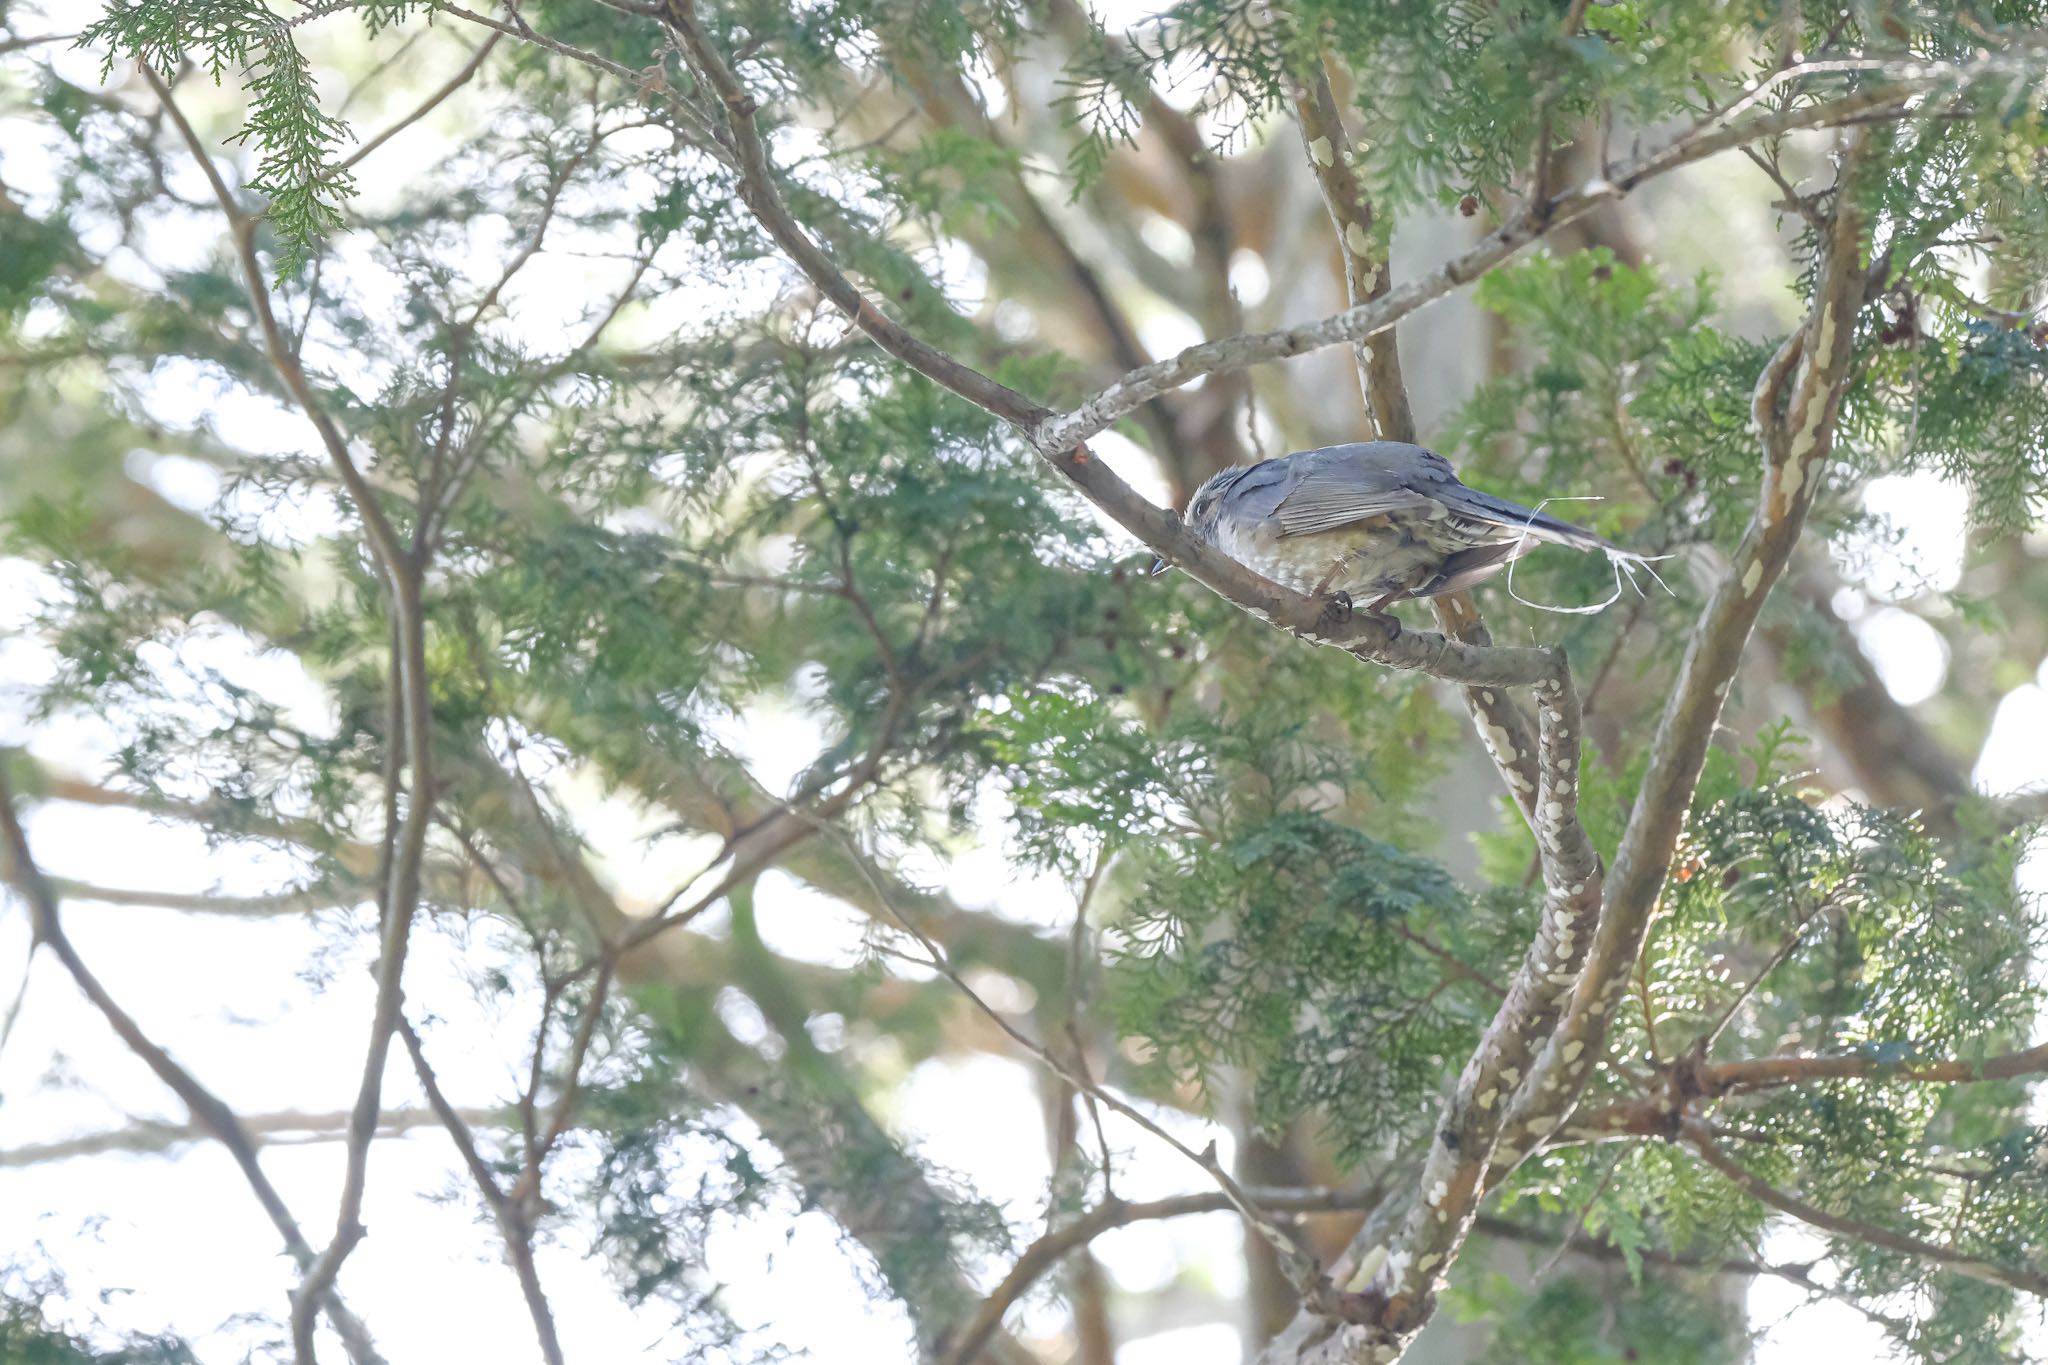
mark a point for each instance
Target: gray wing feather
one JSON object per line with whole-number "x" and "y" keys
{"x": 1339, "y": 485}
{"x": 1336, "y": 486}
{"x": 1481, "y": 517}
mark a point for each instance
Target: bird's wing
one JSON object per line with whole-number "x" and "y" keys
{"x": 1341, "y": 485}
{"x": 1481, "y": 517}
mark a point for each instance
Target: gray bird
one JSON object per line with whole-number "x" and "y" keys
{"x": 1377, "y": 521}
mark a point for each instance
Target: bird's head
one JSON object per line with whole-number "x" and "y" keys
{"x": 1205, "y": 509}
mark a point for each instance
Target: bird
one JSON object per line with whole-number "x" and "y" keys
{"x": 1376, "y": 522}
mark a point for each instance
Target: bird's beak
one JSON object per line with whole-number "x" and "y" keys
{"x": 1159, "y": 566}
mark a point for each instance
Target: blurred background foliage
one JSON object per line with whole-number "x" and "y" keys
{"x": 721, "y": 596}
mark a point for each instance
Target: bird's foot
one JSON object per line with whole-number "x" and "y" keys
{"x": 1387, "y": 622}
{"x": 1339, "y": 611}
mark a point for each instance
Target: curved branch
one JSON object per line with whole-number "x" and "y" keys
{"x": 208, "y": 1110}
{"x": 1707, "y": 138}
{"x": 1700, "y": 1141}
{"x": 1043, "y": 1254}
{"x": 402, "y": 571}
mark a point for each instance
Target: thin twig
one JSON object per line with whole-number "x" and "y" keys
{"x": 2020, "y": 1278}
{"x": 402, "y": 572}
{"x": 1793, "y": 939}
{"x": 1451, "y": 962}
{"x": 427, "y": 106}
{"x": 207, "y": 1109}
{"x": 1077, "y": 954}
{"x": 1578, "y": 1227}
{"x": 1293, "y": 1259}
{"x": 8, "y": 45}
{"x": 515, "y": 1223}
{"x": 1047, "y": 1251}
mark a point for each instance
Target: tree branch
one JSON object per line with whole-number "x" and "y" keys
{"x": 428, "y": 105}
{"x": 204, "y": 903}
{"x": 514, "y": 1218}
{"x": 1365, "y": 278}
{"x": 1706, "y": 138}
{"x": 1763, "y": 1073}
{"x": 1392, "y": 1288}
{"x": 1699, "y": 1139}
{"x": 1797, "y": 435}
{"x": 402, "y": 571}
{"x": 1042, "y": 1255}
{"x": 288, "y": 1127}
{"x": 207, "y": 1109}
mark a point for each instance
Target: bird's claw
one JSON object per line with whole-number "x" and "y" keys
{"x": 1337, "y": 610}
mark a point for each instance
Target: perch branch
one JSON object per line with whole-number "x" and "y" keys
{"x": 1502, "y": 727}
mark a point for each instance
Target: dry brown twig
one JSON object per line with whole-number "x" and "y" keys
{"x": 514, "y": 1211}
{"x": 208, "y": 1111}
{"x": 403, "y": 572}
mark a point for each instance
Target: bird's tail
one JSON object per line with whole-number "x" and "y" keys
{"x": 1534, "y": 524}
{"x": 1537, "y": 524}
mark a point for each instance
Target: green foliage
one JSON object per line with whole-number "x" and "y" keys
{"x": 1658, "y": 1319}
{"x": 1871, "y": 940}
{"x": 28, "y": 1337}
{"x": 30, "y": 250}
{"x": 1906, "y": 948}
{"x": 297, "y": 172}
{"x": 1984, "y": 409}
{"x": 1632, "y": 396}
{"x": 1460, "y": 92}
{"x": 1287, "y": 950}
{"x": 712, "y": 552}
